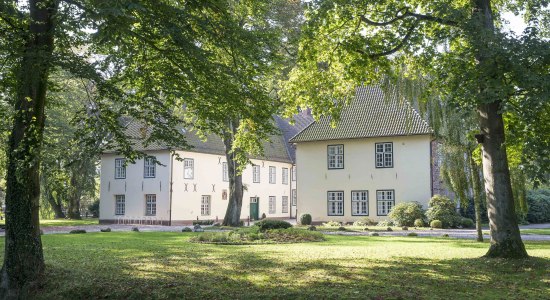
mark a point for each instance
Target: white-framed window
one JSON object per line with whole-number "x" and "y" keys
{"x": 285, "y": 176}
{"x": 120, "y": 205}
{"x": 385, "y": 201}
{"x": 120, "y": 168}
{"x": 256, "y": 174}
{"x": 225, "y": 172}
{"x": 294, "y": 197}
{"x": 359, "y": 203}
{"x": 272, "y": 204}
{"x": 284, "y": 206}
{"x": 335, "y": 155}
{"x": 150, "y": 205}
{"x": 188, "y": 168}
{"x": 335, "y": 203}
{"x": 272, "y": 175}
{"x": 384, "y": 155}
{"x": 205, "y": 205}
{"x": 149, "y": 167}
{"x": 293, "y": 175}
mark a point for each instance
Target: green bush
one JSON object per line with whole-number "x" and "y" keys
{"x": 385, "y": 223}
{"x": 94, "y": 209}
{"x": 305, "y": 219}
{"x": 404, "y": 214}
{"x": 105, "y": 229}
{"x": 203, "y": 222}
{"x": 267, "y": 224}
{"x": 77, "y": 231}
{"x": 467, "y": 223}
{"x": 332, "y": 224}
{"x": 412, "y": 234}
{"x": 436, "y": 224}
{"x": 443, "y": 209}
{"x": 419, "y": 223}
{"x": 263, "y": 216}
{"x": 254, "y": 235}
{"x": 364, "y": 222}
{"x": 538, "y": 202}
{"x": 186, "y": 229}
{"x": 342, "y": 228}
{"x": 312, "y": 228}
{"x": 404, "y": 228}
{"x": 374, "y": 234}
{"x": 135, "y": 229}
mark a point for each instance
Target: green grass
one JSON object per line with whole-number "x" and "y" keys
{"x": 65, "y": 222}
{"x": 543, "y": 231}
{"x": 137, "y": 265}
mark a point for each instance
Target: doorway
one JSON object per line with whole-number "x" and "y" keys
{"x": 254, "y": 208}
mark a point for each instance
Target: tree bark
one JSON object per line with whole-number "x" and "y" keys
{"x": 505, "y": 237}
{"x": 233, "y": 212}
{"x": 476, "y": 188}
{"x": 23, "y": 259}
{"x": 75, "y": 192}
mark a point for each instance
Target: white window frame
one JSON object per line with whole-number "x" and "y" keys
{"x": 188, "y": 168}
{"x": 335, "y": 156}
{"x": 285, "y": 176}
{"x": 150, "y": 204}
{"x": 120, "y": 168}
{"x": 272, "y": 205}
{"x": 335, "y": 203}
{"x": 360, "y": 203}
{"x": 120, "y": 205}
{"x": 149, "y": 167}
{"x": 384, "y": 155}
{"x": 272, "y": 175}
{"x": 225, "y": 172}
{"x": 284, "y": 205}
{"x": 385, "y": 201}
{"x": 256, "y": 174}
{"x": 206, "y": 205}
{"x": 294, "y": 197}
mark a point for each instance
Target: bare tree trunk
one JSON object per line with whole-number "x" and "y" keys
{"x": 505, "y": 237}
{"x": 75, "y": 194}
{"x": 23, "y": 259}
{"x": 56, "y": 206}
{"x": 233, "y": 213}
{"x": 476, "y": 187}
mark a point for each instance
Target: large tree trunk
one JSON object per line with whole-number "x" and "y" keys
{"x": 233, "y": 212}
{"x": 505, "y": 237}
{"x": 75, "y": 193}
{"x": 23, "y": 259}
{"x": 476, "y": 188}
{"x": 56, "y": 205}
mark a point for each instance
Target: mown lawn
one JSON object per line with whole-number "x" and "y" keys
{"x": 143, "y": 265}
{"x": 65, "y": 222}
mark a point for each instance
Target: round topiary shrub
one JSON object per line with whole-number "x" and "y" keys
{"x": 105, "y": 229}
{"x": 77, "y": 231}
{"x": 186, "y": 229}
{"x": 443, "y": 209}
{"x": 135, "y": 229}
{"x": 445, "y": 235}
{"x": 366, "y": 229}
{"x": 412, "y": 234}
{"x": 389, "y": 229}
{"x": 418, "y": 223}
{"x": 312, "y": 228}
{"x": 268, "y": 224}
{"x": 305, "y": 219}
{"x": 404, "y": 228}
{"x": 342, "y": 228}
{"x": 374, "y": 234}
{"x": 467, "y": 223}
{"x": 436, "y": 224}
{"x": 404, "y": 214}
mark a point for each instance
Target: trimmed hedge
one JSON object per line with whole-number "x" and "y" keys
{"x": 305, "y": 219}
{"x": 268, "y": 224}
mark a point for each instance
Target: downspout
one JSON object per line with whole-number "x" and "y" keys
{"x": 171, "y": 184}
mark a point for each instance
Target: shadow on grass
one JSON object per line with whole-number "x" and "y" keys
{"x": 154, "y": 266}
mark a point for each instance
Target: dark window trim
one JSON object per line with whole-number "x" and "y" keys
{"x": 377, "y": 200}
{"x": 146, "y": 213}
{"x": 368, "y": 202}
{"x": 117, "y": 159}
{"x": 343, "y": 157}
{"x": 343, "y": 203}
{"x": 392, "y": 155}
{"x": 145, "y": 167}
{"x": 117, "y": 214}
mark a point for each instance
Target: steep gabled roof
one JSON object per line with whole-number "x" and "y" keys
{"x": 370, "y": 114}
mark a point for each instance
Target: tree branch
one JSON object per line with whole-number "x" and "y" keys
{"x": 396, "y": 48}
{"x": 405, "y": 13}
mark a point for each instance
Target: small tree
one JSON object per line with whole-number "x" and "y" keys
{"x": 404, "y": 214}
{"x": 442, "y": 208}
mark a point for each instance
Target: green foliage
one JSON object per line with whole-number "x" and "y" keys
{"x": 135, "y": 229}
{"x": 539, "y": 206}
{"x": 105, "y": 229}
{"x": 203, "y": 222}
{"x": 385, "y": 223}
{"x": 305, "y": 219}
{"x": 467, "y": 223}
{"x": 436, "y": 224}
{"x": 419, "y": 223}
{"x": 332, "y": 224}
{"x": 186, "y": 229}
{"x": 342, "y": 228}
{"x": 255, "y": 235}
{"x": 412, "y": 234}
{"x": 268, "y": 224}
{"x": 94, "y": 209}
{"x": 312, "y": 228}
{"x": 443, "y": 209}
{"x": 77, "y": 231}
{"x": 404, "y": 213}
{"x": 364, "y": 222}
{"x": 263, "y": 216}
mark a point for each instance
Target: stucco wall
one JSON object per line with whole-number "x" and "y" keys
{"x": 410, "y": 176}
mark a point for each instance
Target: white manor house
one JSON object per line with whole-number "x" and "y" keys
{"x": 379, "y": 154}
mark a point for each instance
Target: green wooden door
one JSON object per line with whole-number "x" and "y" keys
{"x": 254, "y": 208}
